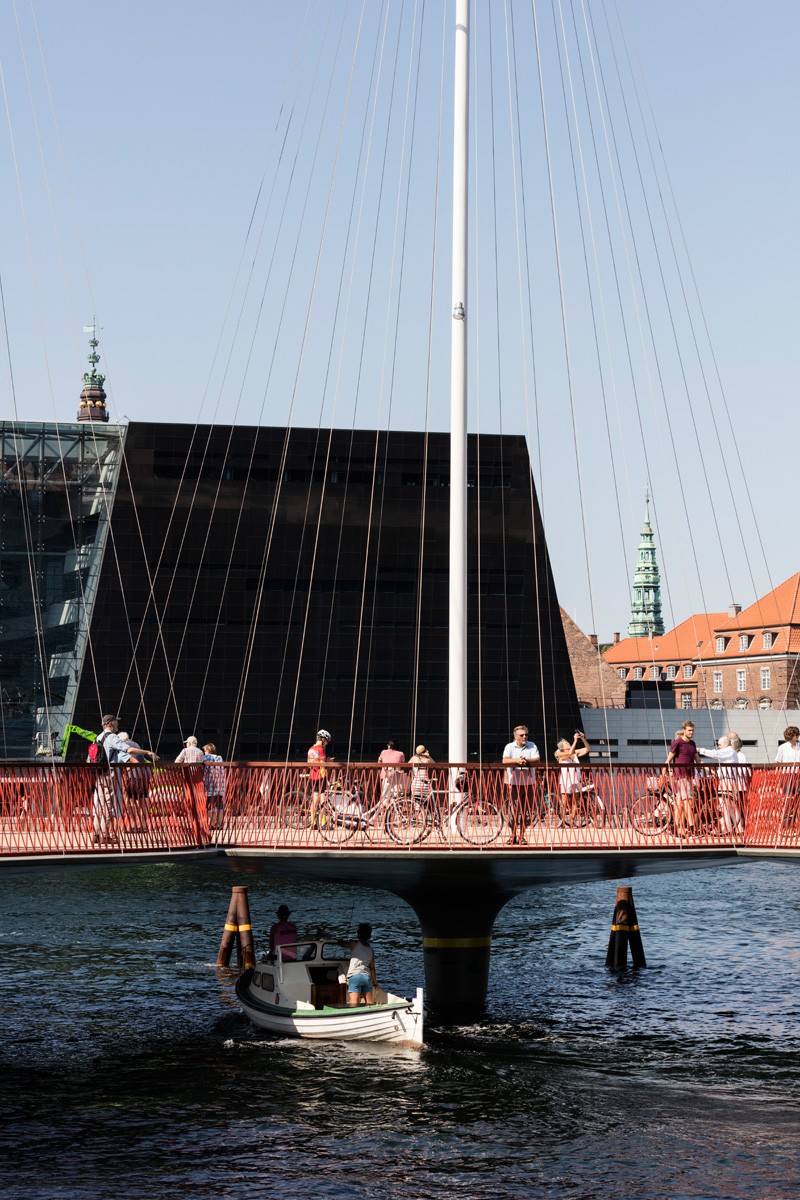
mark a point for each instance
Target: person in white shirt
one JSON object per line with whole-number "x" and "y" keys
{"x": 518, "y": 755}
{"x": 361, "y": 977}
{"x": 731, "y": 778}
{"x": 789, "y": 751}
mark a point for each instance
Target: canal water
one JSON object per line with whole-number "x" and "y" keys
{"x": 127, "y": 1071}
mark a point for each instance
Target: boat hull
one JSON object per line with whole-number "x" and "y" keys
{"x": 399, "y": 1021}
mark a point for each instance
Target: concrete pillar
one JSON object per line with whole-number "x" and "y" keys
{"x": 456, "y": 939}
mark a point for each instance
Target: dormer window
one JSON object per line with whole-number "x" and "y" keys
{"x": 744, "y": 641}
{"x": 688, "y": 670}
{"x": 638, "y": 672}
{"x": 719, "y": 645}
{"x": 622, "y": 672}
{"x": 654, "y": 673}
{"x": 672, "y": 672}
{"x": 767, "y": 640}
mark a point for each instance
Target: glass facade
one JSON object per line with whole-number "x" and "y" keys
{"x": 57, "y": 491}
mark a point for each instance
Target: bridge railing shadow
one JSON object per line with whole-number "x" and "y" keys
{"x": 51, "y": 808}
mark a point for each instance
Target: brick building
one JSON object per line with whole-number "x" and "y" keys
{"x": 598, "y": 685}
{"x": 735, "y": 659}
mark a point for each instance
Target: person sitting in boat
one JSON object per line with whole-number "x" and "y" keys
{"x": 283, "y": 933}
{"x": 361, "y": 978}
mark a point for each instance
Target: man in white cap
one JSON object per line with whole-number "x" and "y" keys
{"x": 191, "y": 752}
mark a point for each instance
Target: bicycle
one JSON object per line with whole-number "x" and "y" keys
{"x": 475, "y": 819}
{"x": 344, "y": 811}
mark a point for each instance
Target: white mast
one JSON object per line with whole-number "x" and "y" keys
{"x": 457, "y": 718}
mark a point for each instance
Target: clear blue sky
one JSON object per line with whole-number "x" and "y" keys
{"x": 138, "y": 206}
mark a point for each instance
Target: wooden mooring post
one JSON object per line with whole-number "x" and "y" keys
{"x": 238, "y": 931}
{"x": 624, "y": 930}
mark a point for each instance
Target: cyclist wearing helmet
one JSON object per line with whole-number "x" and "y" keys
{"x": 316, "y": 756}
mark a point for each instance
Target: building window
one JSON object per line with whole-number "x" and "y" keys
{"x": 688, "y": 670}
{"x": 766, "y": 679}
{"x": 741, "y": 681}
{"x": 622, "y": 672}
{"x": 718, "y": 681}
{"x": 767, "y": 640}
{"x": 638, "y": 672}
{"x": 720, "y": 645}
{"x": 654, "y": 673}
{"x": 672, "y": 672}
{"x": 744, "y": 641}
{"x": 686, "y": 699}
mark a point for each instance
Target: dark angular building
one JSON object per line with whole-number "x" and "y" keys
{"x": 257, "y": 584}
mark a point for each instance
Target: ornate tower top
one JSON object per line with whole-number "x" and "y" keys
{"x": 93, "y": 398}
{"x": 646, "y": 616}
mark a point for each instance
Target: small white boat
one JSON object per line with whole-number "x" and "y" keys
{"x": 302, "y": 992}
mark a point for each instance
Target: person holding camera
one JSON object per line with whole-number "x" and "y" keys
{"x": 570, "y": 783}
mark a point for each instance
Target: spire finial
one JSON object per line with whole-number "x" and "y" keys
{"x": 93, "y": 398}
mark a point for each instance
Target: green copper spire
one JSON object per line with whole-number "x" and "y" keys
{"x": 93, "y": 378}
{"x": 646, "y": 605}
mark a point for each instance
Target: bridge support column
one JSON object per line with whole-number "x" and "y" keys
{"x": 456, "y": 939}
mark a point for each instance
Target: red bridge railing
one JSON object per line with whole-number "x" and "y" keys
{"x": 64, "y": 809}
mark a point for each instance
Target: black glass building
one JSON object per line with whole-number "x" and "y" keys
{"x": 258, "y": 584}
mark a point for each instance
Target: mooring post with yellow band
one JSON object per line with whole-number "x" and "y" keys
{"x": 624, "y": 932}
{"x": 244, "y": 945}
{"x": 238, "y": 932}
{"x": 229, "y": 932}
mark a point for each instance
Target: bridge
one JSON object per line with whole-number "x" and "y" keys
{"x": 456, "y": 842}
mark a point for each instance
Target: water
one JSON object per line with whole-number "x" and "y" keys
{"x": 127, "y": 1071}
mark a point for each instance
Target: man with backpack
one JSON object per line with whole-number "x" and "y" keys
{"x": 108, "y": 794}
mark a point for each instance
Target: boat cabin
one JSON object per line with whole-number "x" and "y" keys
{"x": 306, "y": 975}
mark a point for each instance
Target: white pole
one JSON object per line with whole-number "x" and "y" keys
{"x": 457, "y": 718}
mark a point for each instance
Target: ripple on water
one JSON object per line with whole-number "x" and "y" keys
{"x": 126, "y": 1062}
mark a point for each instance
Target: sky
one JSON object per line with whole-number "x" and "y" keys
{"x": 254, "y": 201}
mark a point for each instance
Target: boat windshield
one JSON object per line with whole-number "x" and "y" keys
{"x": 334, "y": 951}
{"x": 303, "y": 951}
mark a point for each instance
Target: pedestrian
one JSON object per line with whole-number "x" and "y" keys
{"x": 138, "y": 776}
{"x": 420, "y": 761}
{"x": 316, "y": 776}
{"x": 570, "y": 782}
{"x": 191, "y": 752}
{"x": 214, "y": 782}
{"x": 361, "y": 977}
{"x": 391, "y": 757}
{"x": 518, "y": 755}
{"x": 681, "y": 761}
{"x": 283, "y": 934}
{"x": 789, "y": 751}
{"x": 731, "y": 780}
{"x": 108, "y": 796}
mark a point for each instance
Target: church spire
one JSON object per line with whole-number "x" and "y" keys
{"x": 646, "y": 604}
{"x": 93, "y": 398}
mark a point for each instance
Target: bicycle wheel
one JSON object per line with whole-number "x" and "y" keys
{"x": 407, "y": 821}
{"x": 546, "y": 813}
{"x": 479, "y": 822}
{"x": 650, "y": 816}
{"x": 338, "y": 821}
{"x": 293, "y": 809}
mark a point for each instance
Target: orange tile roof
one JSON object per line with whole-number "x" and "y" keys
{"x": 692, "y": 638}
{"x": 779, "y": 607}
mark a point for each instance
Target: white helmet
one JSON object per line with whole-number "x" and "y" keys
{"x": 323, "y": 733}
